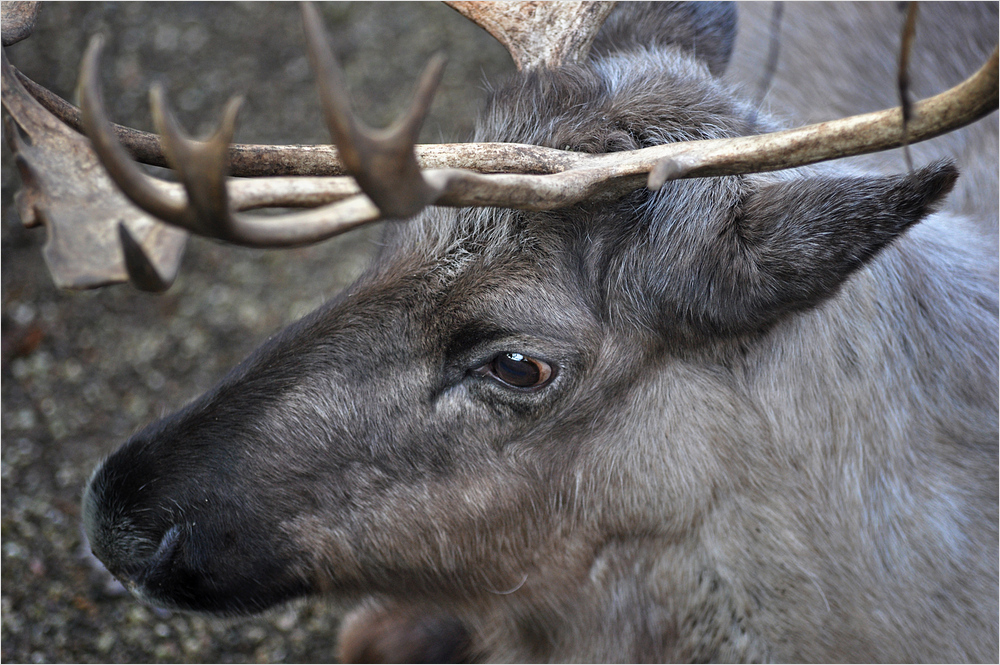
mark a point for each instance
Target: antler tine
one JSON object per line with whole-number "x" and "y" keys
{"x": 201, "y": 165}
{"x": 127, "y": 175}
{"x": 407, "y": 127}
{"x": 383, "y": 162}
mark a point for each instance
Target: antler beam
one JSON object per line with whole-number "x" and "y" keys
{"x": 393, "y": 178}
{"x": 248, "y": 160}
{"x": 967, "y": 102}
{"x": 569, "y": 178}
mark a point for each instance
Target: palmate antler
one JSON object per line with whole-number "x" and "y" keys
{"x": 390, "y": 177}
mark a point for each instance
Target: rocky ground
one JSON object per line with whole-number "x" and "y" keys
{"x": 81, "y": 371}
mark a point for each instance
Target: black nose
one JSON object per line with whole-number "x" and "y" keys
{"x": 127, "y": 545}
{"x": 168, "y": 514}
{"x": 138, "y": 543}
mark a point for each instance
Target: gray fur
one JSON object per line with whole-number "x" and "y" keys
{"x": 771, "y": 432}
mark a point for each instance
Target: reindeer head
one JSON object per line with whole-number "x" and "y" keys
{"x": 522, "y": 378}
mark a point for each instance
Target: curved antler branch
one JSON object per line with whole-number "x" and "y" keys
{"x": 248, "y": 160}
{"x": 125, "y": 172}
{"x": 202, "y": 166}
{"x": 382, "y": 162}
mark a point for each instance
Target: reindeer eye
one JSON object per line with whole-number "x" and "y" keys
{"x": 520, "y": 371}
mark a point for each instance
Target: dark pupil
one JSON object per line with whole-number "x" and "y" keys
{"x": 517, "y": 370}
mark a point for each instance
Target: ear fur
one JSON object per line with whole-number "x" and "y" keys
{"x": 782, "y": 247}
{"x": 705, "y": 29}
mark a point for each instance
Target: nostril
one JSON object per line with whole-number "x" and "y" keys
{"x": 146, "y": 573}
{"x": 166, "y": 549}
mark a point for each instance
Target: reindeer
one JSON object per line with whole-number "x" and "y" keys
{"x": 592, "y": 405}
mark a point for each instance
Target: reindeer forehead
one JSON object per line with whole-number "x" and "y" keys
{"x": 615, "y": 105}
{"x": 487, "y": 265}
{"x": 450, "y": 242}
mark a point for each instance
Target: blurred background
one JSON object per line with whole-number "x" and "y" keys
{"x": 84, "y": 370}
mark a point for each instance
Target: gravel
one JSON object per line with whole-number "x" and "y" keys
{"x": 83, "y": 370}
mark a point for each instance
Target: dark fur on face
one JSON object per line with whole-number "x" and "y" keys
{"x": 771, "y": 408}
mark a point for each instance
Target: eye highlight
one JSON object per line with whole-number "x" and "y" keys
{"x": 517, "y": 371}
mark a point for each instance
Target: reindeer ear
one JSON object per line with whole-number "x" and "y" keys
{"x": 789, "y": 246}
{"x": 705, "y": 29}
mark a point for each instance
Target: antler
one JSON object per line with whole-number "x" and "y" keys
{"x": 573, "y": 177}
{"x": 967, "y": 102}
{"x": 18, "y": 20}
{"x": 539, "y": 34}
{"x": 202, "y": 169}
{"x": 66, "y": 188}
{"x": 383, "y": 164}
{"x": 393, "y": 178}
